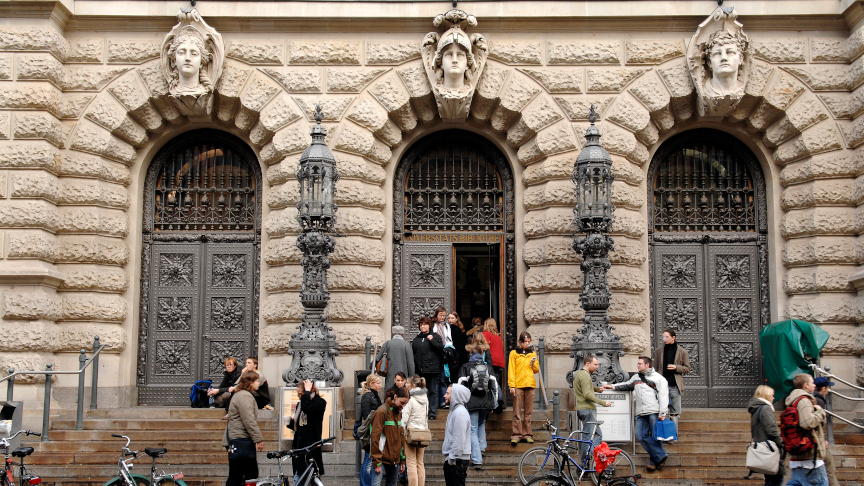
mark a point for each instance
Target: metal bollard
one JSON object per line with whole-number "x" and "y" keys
{"x": 358, "y": 398}
{"x": 94, "y": 386}
{"x": 541, "y": 358}
{"x": 368, "y": 353}
{"x": 556, "y": 408}
{"x": 79, "y": 413}
{"x": 10, "y": 385}
{"x": 46, "y": 408}
{"x": 829, "y": 405}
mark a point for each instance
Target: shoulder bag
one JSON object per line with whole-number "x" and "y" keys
{"x": 419, "y": 437}
{"x": 763, "y": 457}
{"x": 382, "y": 365}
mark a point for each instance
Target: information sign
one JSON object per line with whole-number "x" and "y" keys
{"x": 617, "y": 419}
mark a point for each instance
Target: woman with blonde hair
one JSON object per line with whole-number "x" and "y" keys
{"x": 763, "y": 425}
{"x": 496, "y": 349}
{"x": 242, "y": 435}
{"x": 369, "y": 402}
{"x": 415, "y": 415}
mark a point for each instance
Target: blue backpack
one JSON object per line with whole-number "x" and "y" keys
{"x": 198, "y": 395}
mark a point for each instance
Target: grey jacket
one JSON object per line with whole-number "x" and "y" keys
{"x": 242, "y": 419}
{"x": 400, "y": 356}
{"x": 648, "y": 399}
{"x": 457, "y": 432}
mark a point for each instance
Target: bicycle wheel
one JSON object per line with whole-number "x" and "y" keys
{"x": 119, "y": 481}
{"x": 269, "y": 483}
{"x": 549, "y": 480}
{"x": 623, "y": 466}
{"x": 170, "y": 482}
{"x": 531, "y": 464}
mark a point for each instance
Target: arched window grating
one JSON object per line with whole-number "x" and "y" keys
{"x": 453, "y": 189}
{"x": 204, "y": 188}
{"x": 703, "y": 187}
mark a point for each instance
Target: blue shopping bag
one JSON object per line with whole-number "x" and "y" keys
{"x": 664, "y": 430}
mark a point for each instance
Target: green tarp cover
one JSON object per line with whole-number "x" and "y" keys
{"x": 784, "y": 345}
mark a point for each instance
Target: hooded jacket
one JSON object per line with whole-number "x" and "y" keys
{"x": 415, "y": 415}
{"x": 427, "y": 353}
{"x": 457, "y": 432}
{"x": 649, "y": 400}
{"x": 520, "y": 372}
{"x": 479, "y": 402}
{"x": 387, "y": 422}
{"x": 763, "y": 425}
{"x": 809, "y": 418}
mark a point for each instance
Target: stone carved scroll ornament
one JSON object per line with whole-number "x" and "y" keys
{"x": 192, "y": 58}
{"x": 719, "y": 59}
{"x": 454, "y": 61}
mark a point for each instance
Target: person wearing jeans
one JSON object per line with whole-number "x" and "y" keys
{"x": 808, "y": 469}
{"x": 587, "y": 401}
{"x": 651, "y": 397}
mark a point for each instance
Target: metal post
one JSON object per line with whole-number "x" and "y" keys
{"x": 79, "y": 413}
{"x": 95, "y": 374}
{"x": 358, "y": 398}
{"x": 556, "y": 408}
{"x": 829, "y": 404}
{"x": 46, "y": 408}
{"x": 541, "y": 359}
{"x": 368, "y": 361}
{"x": 10, "y": 385}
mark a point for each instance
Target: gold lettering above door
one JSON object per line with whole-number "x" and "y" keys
{"x": 453, "y": 238}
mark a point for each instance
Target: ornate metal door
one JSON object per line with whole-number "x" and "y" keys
{"x": 709, "y": 263}
{"x": 200, "y": 264}
{"x": 429, "y": 272}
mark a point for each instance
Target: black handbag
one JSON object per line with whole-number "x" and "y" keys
{"x": 241, "y": 449}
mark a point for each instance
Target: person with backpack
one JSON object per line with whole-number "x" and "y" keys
{"x": 399, "y": 355}
{"x": 388, "y": 438}
{"x": 476, "y": 375}
{"x": 428, "y": 347}
{"x": 369, "y": 402}
{"x": 415, "y": 416}
{"x": 823, "y": 388}
{"x": 651, "y": 397}
{"x": 803, "y": 436}
{"x": 521, "y": 369}
{"x": 763, "y": 427}
{"x": 496, "y": 350}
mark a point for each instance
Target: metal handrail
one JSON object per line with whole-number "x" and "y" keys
{"x": 845, "y": 420}
{"x": 83, "y": 363}
{"x": 828, "y": 402}
{"x": 827, "y": 374}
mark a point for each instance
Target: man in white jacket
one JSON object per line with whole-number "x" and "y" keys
{"x": 651, "y": 397}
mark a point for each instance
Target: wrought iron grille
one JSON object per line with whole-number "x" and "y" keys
{"x": 703, "y": 188}
{"x": 453, "y": 189}
{"x": 205, "y": 188}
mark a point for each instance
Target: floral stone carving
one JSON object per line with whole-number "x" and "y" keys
{"x": 719, "y": 58}
{"x": 454, "y": 61}
{"x": 192, "y": 57}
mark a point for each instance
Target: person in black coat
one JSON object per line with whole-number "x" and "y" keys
{"x": 427, "y": 348}
{"x": 307, "y": 422}
{"x": 369, "y": 402}
{"x": 220, "y": 394}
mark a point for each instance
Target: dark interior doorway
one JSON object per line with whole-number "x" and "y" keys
{"x": 477, "y": 281}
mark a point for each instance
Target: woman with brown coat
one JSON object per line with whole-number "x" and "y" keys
{"x": 242, "y": 435}
{"x": 388, "y": 438}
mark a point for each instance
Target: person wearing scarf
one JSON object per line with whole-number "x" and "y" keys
{"x": 307, "y": 422}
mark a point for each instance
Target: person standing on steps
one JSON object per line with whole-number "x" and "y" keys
{"x": 400, "y": 357}
{"x": 369, "y": 402}
{"x": 388, "y": 438}
{"x": 673, "y": 362}
{"x": 457, "y": 436}
{"x": 308, "y": 422}
{"x": 415, "y": 415}
{"x": 477, "y": 376}
{"x": 242, "y": 436}
{"x": 823, "y": 388}
{"x": 496, "y": 349}
{"x": 521, "y": 369}
{"x": 460, "y": 339}
{"x": 587, "y": 401}
{"x": 442, "y": 328}
{"x": 427, "y": 347}
{"x": 651, "y": 397}
{"x": 763, "y": 426}
{"x": 808, "y": 469}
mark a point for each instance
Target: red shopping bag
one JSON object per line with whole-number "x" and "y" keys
{"x": 603, "y": 457}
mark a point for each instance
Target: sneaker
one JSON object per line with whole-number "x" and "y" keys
{"x": 225, "y": 417}
{"x": 529, "y": 440}
{"x": 269, "y": 407}
{"x": 432, "y": 416}
{"x": 662, "y": 463}
{"x": 650, "y": 468}
{"x": 478, "y": 466}
{"x": 514, "y": 441}
{"x": 212, "y": 406}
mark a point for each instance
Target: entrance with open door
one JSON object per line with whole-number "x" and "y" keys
{"x": 454, "y": 242}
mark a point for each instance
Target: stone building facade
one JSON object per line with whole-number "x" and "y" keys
{"x": 90, "y": 115}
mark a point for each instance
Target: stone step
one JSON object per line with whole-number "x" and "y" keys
{"x": 148, "y": 436}
{"x": 120, "y": 425}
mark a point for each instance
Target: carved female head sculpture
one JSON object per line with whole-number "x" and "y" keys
{"x": 724, "y": 55}
{"x": 453, "y": 59}
{"x": 188, "y": 57}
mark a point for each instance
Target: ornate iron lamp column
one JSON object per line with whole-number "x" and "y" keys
{"x": 593, "y": 176}
{"x": 313, "y": 347}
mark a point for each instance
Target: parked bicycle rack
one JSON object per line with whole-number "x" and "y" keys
{"x": 826, "y": 372}
{"x": 83, "y": 363}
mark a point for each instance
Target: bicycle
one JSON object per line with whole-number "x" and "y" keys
{"x": 534, "y": 464}
{"x": 310, "y": 475}
{"x": 24, "y": 479}
{"x": 126, "y": 478}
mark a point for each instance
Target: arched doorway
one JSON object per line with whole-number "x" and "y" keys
{"x": 454, "y": 223}
{"x": 708, "y": 237}
{"x": 201, "y": 242}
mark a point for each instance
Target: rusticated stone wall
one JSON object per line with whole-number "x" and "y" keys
{"x": 79, "y": 118}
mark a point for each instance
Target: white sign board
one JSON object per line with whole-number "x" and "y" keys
{"x": 617, "y": 419}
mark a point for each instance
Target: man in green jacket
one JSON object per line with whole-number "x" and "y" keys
{"x": 587, "y": 401}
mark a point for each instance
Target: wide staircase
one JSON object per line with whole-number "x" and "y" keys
{"x": 710, "y": 452}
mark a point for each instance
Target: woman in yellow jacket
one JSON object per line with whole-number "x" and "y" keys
{"x": 520, "y": 377}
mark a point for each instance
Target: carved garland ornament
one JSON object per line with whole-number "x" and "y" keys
{"x": 454, "y": 61}
{"x": 192, "y": 58}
